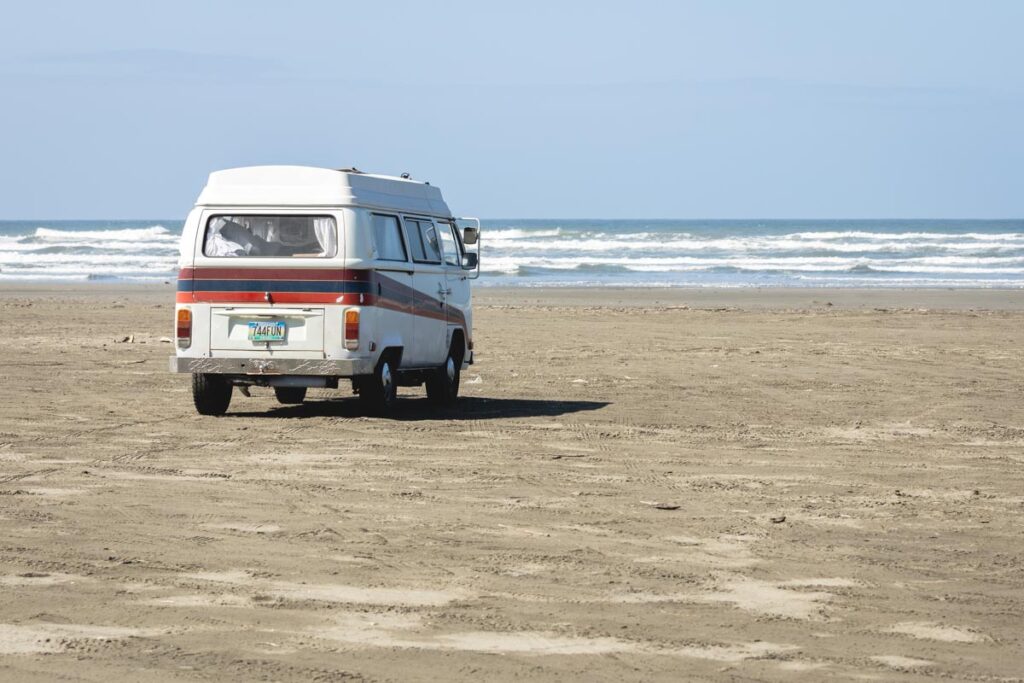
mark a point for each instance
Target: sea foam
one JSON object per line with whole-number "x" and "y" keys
{"x": 602, "y": 252}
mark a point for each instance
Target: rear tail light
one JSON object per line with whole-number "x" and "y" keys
{"x": 352, "y": 329}
{"x": 184, "y": 328}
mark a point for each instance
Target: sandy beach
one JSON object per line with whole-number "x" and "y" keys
{"x": 643, "y": 484}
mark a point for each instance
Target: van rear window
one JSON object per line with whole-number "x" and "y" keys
{"x": 249, "y": 236}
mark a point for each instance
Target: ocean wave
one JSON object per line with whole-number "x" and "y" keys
{"x": 124, "y": 249}
{"x": 889, "y": 281}
{"x": 742, "y": 263}
{"x": 154, "y": 232}
{"x": 518, "y": 233}
{"x": 21, "y": 258}
{"x": 625, "y": 253}
{"x": 619, "y": 243}
{"x": 83, "y": 277}
{"x": 917, "y": 236}
{"x": 514, "y": 234}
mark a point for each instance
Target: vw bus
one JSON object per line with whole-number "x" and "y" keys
{"x": 293, "y": 277}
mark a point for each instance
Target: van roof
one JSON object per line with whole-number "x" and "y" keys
{"x": 268, "y": 186}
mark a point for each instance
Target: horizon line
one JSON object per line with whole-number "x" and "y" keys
{"x": 597, "y": 218}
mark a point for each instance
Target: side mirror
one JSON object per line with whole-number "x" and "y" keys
{"x": 470, "y": 235}
{"x": 470, "y": 259}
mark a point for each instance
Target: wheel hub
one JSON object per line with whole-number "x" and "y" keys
{"x": 450, "y": 369}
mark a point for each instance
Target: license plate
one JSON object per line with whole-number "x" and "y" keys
{"x": 260, "y": 331}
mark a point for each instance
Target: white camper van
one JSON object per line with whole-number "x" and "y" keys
{"x": 294, "y": 277}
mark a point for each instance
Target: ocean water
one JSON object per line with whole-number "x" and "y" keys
{"x": 665, "y": 253}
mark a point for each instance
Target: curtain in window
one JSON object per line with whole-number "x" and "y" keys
{"x": 326, "y": 235}
{"x": 217, "y": 244}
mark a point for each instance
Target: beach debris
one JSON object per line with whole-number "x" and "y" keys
{"x": 165, "y": 340}
{"x": 659, "y": 506}
{"x": 778, "y": 520}
{"x": 476, "y": 380}
{"x": 122, "y": 340}
{"x": 580, "y": 381}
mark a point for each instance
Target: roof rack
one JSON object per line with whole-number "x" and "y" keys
{"x": 351, "y": 169}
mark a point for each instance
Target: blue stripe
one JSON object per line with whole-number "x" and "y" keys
{"x": 329, "y": 286}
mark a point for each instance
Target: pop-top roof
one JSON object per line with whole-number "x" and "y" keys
{"x": 268, "y": 186}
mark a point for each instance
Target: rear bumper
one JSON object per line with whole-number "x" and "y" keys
{"x": 272, "y": 366}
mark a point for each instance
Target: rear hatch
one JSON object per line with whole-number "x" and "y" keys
{"x": 268, "y": 278}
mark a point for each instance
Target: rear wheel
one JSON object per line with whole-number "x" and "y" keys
{"x": 290, "y": 395}
{"x": 443, "y": 383}
{"x": 211, "y": 394}
{"x": 379, "y": 391}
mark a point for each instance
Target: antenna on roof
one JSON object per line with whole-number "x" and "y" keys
{"x": 352, "y": 169}
{"x": 406, "y": 176}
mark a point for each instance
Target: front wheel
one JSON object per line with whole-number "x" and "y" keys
{"x": 379, "y": 391}
{"x": 443, "y": 383}
{"x": 290, "y": 395}
{"x": 211, "y": 394}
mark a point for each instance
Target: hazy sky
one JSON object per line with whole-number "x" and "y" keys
{"x": 524, "y": 109}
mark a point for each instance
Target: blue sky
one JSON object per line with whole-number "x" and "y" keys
{"x": 712, "y": 109}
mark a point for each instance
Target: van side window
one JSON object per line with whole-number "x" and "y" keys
{"x": 412, "y": 233}
{"x": 449, "y": 245}
{"x": 387, "y": 238}
{"x": 423, "y": 240}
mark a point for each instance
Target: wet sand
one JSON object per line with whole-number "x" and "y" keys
{"x": 637, "y": 485}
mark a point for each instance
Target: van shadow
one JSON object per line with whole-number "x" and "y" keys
{"x": 468, "y": 408}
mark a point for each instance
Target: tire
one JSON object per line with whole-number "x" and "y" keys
{"x": 290, "y": 395}
{"x": 379, "y": 391}
{"x": 211, "y": 394}
{"x": 443, "y": 383}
